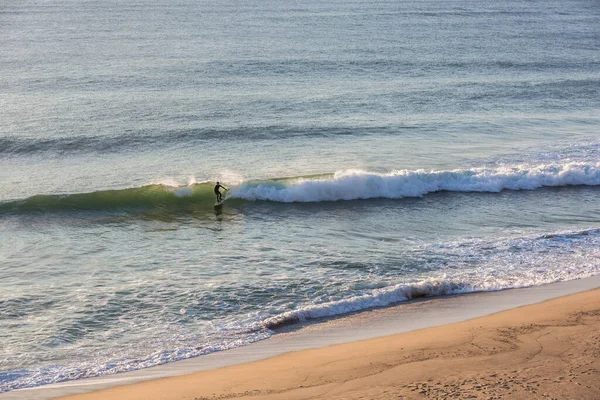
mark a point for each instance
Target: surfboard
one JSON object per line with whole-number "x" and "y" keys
{"x": 220, "y": 203}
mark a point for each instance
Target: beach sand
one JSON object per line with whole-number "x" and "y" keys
{"x": 549, "y": 350}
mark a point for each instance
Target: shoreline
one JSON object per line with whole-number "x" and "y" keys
{"x": 545, "y": 350}
{"x": 350, "y": 329}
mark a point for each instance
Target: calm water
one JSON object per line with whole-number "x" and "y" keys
{"x": 374, "y": 152}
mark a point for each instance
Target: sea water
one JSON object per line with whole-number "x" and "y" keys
{"x": 374, "y": 152}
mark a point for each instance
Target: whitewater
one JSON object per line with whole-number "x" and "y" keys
{"x": 356, "y": 184}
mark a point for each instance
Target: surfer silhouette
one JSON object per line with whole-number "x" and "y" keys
{"x": 218, "y": 192}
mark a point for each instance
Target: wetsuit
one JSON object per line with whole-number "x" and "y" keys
{"x": 217, "y": 192}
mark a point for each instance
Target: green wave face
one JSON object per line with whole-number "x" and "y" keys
{"x": 155, "y": 196}
{"x": 141, "y": 198}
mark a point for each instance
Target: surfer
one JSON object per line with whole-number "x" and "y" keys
{"x": 218, "y": 192}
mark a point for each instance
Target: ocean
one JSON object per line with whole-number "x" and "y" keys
{"x": 374, "y": 152}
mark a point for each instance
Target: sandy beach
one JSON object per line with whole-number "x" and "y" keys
{"x": 546, "y": 350}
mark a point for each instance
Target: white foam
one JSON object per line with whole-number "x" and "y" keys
{"x": 359, "y": 184}
{"x": 186, "y": 191}
{"x": 501, "y": 269}
{"x": 429, "y": 288}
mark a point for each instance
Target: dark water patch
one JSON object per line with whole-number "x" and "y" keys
{"x": 22, "y": 306}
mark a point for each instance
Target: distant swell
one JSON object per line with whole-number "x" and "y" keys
{"x": 343, "y": 185}
{"x": 23, "y": 146}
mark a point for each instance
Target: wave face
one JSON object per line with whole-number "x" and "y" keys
{"x": 343, "y": 185}
{"x": 144, "y": 197}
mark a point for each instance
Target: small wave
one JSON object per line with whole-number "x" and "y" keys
{"x": 379, "y": 298}
{"x": 496, "y": 271}
{"x": 570, "y": 235}
{"x": 400, "y": 293}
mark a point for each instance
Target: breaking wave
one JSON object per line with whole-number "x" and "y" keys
{"x": 358, "y": 184}
{"x": 342, "y": 185}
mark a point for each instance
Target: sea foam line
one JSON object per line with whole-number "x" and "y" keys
{"x": 359, "y": 184}
{"x": 431, "y": 287}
